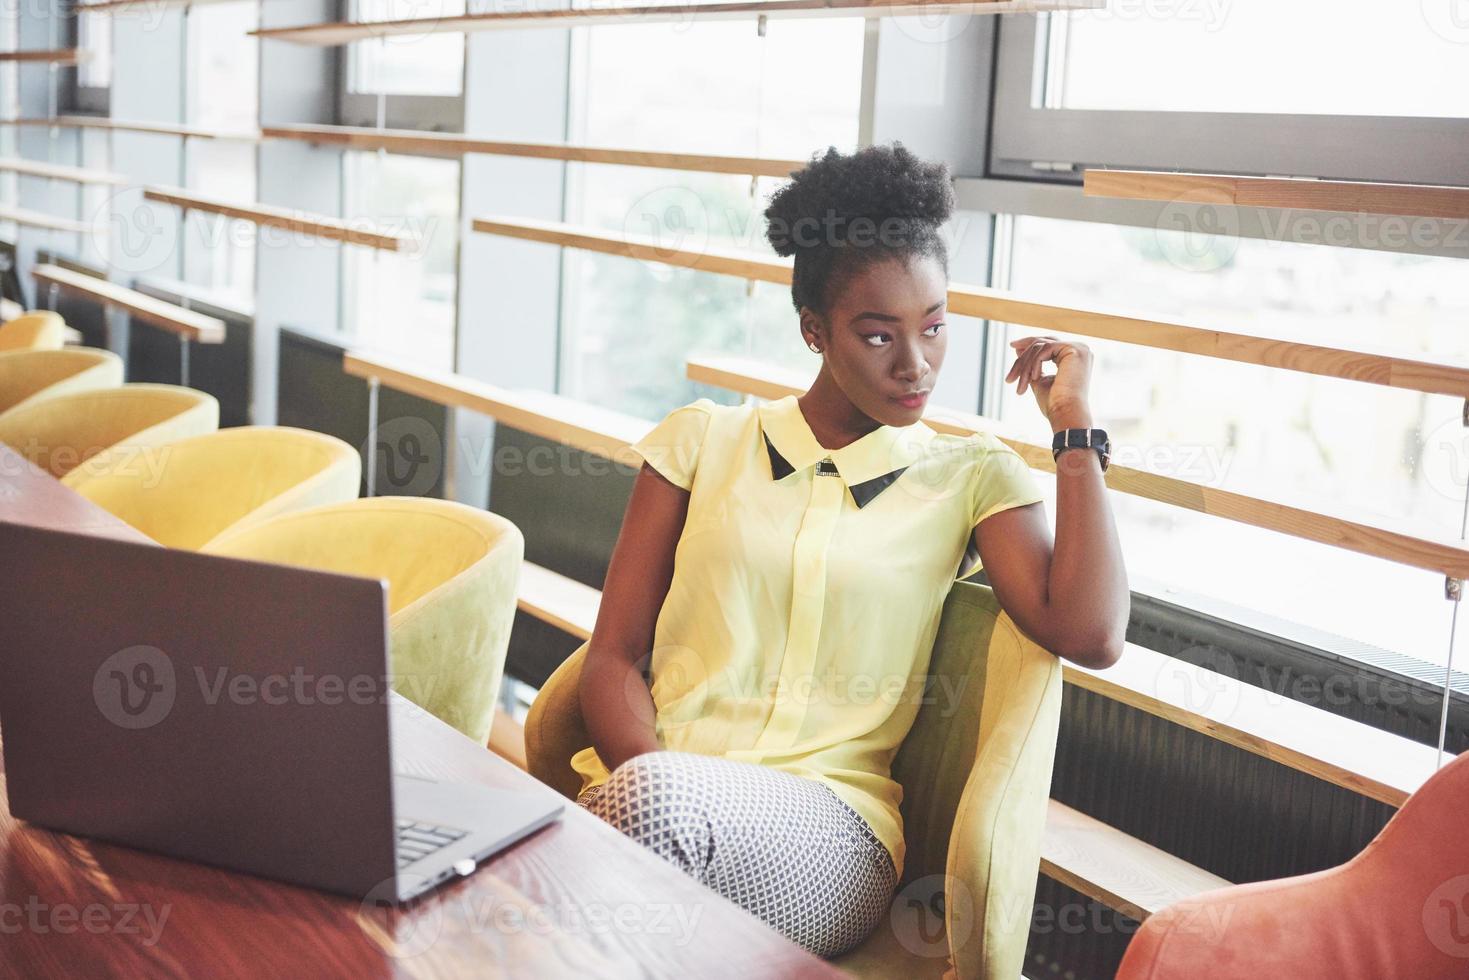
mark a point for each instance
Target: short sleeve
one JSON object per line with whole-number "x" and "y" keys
{"x": 672, "y": 447}
{"x": 1001, "y": 480}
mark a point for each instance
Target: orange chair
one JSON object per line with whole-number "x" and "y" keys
{"x": 1397, "y": 911}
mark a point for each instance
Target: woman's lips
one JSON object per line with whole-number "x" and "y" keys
{"x": 913, "y": 401}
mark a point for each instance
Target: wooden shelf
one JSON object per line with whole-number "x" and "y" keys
{"x": 1383, "y": 369}
{"x": 563, "y": 602}
{"x": 1445, "y": 555}
{"x": 457, "y": 145}
{"x": 57, "y": 171}
{"x": 315, "y": 225}
{"x": 596, "y": 430}
{"x": 1340, "y": 751}
{"x": 167, "y": 316}
{"x": 1116, "y": 869}
{"x": 110, "y": 6}
{"x": 345, "y": 32}
{"x": 58, "y": 56}
{"x": 1349, "y": 196}
{"x": 123, "y": 126}
{"x": 35, "y": 219}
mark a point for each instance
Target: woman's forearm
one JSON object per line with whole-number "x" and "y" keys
{"x": 1088, "y": 583}
{"x": 616, "y": 706}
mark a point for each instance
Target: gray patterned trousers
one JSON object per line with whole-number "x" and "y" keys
{"x": 783, "y": 847}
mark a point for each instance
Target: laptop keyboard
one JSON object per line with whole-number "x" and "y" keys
{"x": 417, "y": 841}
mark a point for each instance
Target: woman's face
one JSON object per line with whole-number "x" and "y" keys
{"x": 884, "y": 337}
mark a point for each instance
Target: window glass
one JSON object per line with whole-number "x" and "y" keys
{"x": 223, "y": 70}
{"x": 1387, "y": 456}
{"x": 1355, "y": 57}
{"x": 431, "y": 63}
{"x": 629, "y": 324}
{"x": 403, "y": 302}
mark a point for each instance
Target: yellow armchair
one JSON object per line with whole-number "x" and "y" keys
{"x": 30, "y": 375}
{"x": 206, "y": 485}
{"x": 73, "y": 436}
{"x": 36, "y": 330}
{"x": 453, "y": 573}
{"x": 976, "y": 776}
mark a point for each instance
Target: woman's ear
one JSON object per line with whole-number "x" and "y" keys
{"x": 813, "y": 329}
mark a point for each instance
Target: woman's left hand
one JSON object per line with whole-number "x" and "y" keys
{"x": 1067, "y": 388}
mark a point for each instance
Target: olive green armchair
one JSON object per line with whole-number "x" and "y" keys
{"x": 976, "y": 776}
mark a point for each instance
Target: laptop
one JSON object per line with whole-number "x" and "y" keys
{"x": 224, "y": 711}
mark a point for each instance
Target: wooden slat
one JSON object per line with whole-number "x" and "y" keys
{"x": 1118, "y": 870}
{"x": 35, "y": 219}
{"x": 110, "y": 6}
{"x": 456, "y": 145}
{"x": 1373, "y": 763}
{"x": 124, "y": 126}
{"x": 167, "y": 316}
{"x": 316, "y": 225}
{"x": 58, "y": 56}
{"x": 1446, "y": 555}
{"x": 345, "y": 32}
{"x": 562, "y": 602}
{"x": 1349, "y": 196}
{"x": 564, "y": 420}
{"x": 507, "y": 738}
{"x": 57, "y": 171}
{"x": 1389, "y": 370}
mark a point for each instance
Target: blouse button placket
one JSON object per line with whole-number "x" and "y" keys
{"x": 808, "y": 595}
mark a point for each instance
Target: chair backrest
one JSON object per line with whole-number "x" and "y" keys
{"x": 30, "y": 375}
{"x": 1400, "y": 908}
{"x": 209, "y": 484}
{"x": 452, "y": 571}
{"x": 975, "y": 771}
{"x": 36, "y": 330}
{"x": 72, "y": 435}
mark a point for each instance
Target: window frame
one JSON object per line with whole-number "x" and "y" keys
{"x": 1032, "y": 143}
{"x": 74, "y": 97}
{"x": 434, "y": 113}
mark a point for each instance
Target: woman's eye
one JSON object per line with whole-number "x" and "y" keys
{"x": 880, "y": 337}
{"x": 935, "y": 328}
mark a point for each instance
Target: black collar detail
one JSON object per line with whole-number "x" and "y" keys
{"x": 862, "y": 493}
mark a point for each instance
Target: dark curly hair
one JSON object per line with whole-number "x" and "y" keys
{"x": 845, "y": 211}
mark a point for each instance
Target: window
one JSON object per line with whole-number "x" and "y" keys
{"x": 223, "y": 69}
{"x": 86, "y": 87}
{"x": 409, "y": 81}
{"x": 628, "y": 325}
{"x": 1393, "y": 457}
{"x": 403, "y": 302}
{"x": 1199, "y": 85}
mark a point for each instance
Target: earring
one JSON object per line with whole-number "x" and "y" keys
{"x": 814, "y": 348}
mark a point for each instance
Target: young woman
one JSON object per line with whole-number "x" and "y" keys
{"x": 781, "y": 570}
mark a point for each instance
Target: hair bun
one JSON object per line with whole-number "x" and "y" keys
{"x": 885, "y": 186}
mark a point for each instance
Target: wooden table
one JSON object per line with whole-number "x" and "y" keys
{"x": 577, "y": 899}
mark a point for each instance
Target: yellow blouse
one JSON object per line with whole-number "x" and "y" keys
{"x": 807, "y": 588}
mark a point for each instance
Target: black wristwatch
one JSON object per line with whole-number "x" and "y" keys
{"x": 1082, "y": 439}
